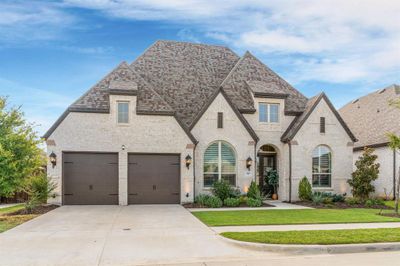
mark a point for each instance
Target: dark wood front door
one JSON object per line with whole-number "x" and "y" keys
{"x": 153, "y": 178}
{"x": 267, "y": 163}
{"x": 90, "y": 178}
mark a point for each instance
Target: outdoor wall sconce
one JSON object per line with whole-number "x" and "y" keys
{"x": 187, "y": 195}
{"x": 123, "y": 147}
{"x": 249, "y": 162}
{"x": 53, "y": 159}
{"x": 188, "y": 161}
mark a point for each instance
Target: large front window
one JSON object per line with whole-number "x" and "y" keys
{"x": 321, "y": 167}
{"x": 219, "y": 164}
{"x": 268, "y": 112}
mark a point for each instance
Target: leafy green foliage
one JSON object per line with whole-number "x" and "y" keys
{"x": 305, "y": 191}
{"x": 367, "y": 171}
{"x": 40, "y": 188}
{"x": 318, "y": 197}
{"x": 353, "y": 201}
{"x": 273, "y": 180}
{"x": 20, "y": 156}
{"x": 254, "y": 202}
{"x": 374, "y": 202}
{"x": 213, "y": 202}
{"x": 232, "y": 202}
{"x": 201, "y": 199}
{"x": 222, "y": 189}
{"x": 254, "y": 191}
{"x": 338, "y": 197}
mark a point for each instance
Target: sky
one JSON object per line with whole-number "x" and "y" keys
{"x": 51, "y": 52}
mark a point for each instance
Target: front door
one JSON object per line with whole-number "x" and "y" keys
{"x": 267, "y": 163}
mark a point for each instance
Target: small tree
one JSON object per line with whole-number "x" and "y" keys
{"x": 366, "y": 172}
{"x": 273, "y": 180}
{"x": 20, "y": 156}
{"x": 305, "y": 191}
{"x": 39, "y": 188}
{"x": 394, "y": 144}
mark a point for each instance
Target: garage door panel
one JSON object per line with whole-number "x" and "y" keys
{"x": 90, "y": 178}
{"x": 153, "y": 178}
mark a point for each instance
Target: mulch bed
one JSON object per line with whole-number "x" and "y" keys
{"x": 242, "y": 205}
{"x": 38, "y": 210}
{"x": 340, "y": 205}
{"x": 391, "y": 214}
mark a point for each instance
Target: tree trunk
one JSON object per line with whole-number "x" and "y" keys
{"x": 397, "y": 194}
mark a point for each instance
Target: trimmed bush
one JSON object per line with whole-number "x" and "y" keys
{"x": 232, "y": 202}
{"x": 213, "y": 202}
{"x": 338, "y": 198}
{"x": 201, "y": 199}
{"x": 305, "y": 191}
{"x": 243, "y": 199}
{"x": 222, "y": 190}
{"x": 352, "y": 201}
{"x": 254, "y": 191}
{"x": 374, "y": 202}
{"x": 317, "y": 197}
{"x": 251, "y": 202}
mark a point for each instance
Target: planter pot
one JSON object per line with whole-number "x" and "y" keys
{"x": 274, "y": 196}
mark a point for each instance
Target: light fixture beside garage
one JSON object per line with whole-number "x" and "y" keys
{"x": 123, "y": 147}
{"x": 53, "y": 159}
{"x": 188, "y": 161}
{"x": 249, "y": 162}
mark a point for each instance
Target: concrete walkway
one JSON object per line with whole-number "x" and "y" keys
{"x": 258, "y": 228}
{"x": 117, "y": 235}
{"x": 277, "y": 205}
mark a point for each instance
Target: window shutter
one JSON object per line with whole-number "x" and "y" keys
{"x": 322, "y": 124}
{"x": 220, "y": 120}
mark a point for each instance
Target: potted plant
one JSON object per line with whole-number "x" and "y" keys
{"x": 273, "y": 180}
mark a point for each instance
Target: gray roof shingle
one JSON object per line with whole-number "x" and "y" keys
{"x": 371, "y": 117}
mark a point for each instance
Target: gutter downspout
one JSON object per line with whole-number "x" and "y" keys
{"x": 255, "y": 162}
{"x": 290, "y": 171}
{"x": 194, "y": 171}
{"x": 394, "y": 174}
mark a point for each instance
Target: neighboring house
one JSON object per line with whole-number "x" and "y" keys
{"x": 370, "y": 118}
{"x": 183, "y": 115}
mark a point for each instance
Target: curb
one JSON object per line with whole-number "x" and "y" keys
{"x": 316, "y": 249}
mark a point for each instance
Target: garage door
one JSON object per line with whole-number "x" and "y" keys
{"x": 90, "y": 178}
{"x": 153, "y": 178}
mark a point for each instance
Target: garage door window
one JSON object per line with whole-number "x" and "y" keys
{"x": 219, "y": 164}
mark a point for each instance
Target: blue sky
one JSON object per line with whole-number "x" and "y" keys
{"x": 51, "y": 52}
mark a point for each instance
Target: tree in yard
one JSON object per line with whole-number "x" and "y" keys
{"x": 20, "y": 156}
{"x": 366, "y": 172}
{"x": 394, "y": 144}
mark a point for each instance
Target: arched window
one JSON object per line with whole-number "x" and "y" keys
{"x": 321, "y": 166}
{"x": 219, "y": 164}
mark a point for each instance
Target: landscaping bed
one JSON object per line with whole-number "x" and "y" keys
{"x": 342, "y": 205}
{"x": 319, "y": 237}
{"x": 282, "y": 217}
{"x": 16, "y": 215}
{"x": 241, "y": 205}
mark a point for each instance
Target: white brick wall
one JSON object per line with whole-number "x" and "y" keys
{"x": 100, "y": 132}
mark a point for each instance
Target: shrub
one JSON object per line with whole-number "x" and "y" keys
{"x": 201, "y": 199}
{"x": 338, "y": 197}
{"x": 317, "y": 197}
{"x": 374, "y": 202}
{"x": 273, "y": 180}
{"x": 235, "y": 193}
{"x": 252, "y": 202}
{"x": 243, "y": 199}
{"x": 213, "y": 202}
{"x": 305, "y": 192}
{"x": 254, "y": 191}
{"x": 366, "y": 172}
{"x": 39, "y": 188}
{"x": 222, "y": 189}
{"x": 232, "y": 202}
{"x": 352, "y": 201}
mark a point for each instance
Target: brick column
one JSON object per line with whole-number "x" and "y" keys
{"x": 123, "y": 177}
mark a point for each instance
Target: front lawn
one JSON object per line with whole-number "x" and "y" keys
{"x": 319, "y": 237}
{"x": 276, "y": 217}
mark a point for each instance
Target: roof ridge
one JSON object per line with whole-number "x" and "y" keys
{"x": 232, "y": 70}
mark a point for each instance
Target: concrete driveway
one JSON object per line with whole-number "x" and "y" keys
{"x": 116, "y": 235}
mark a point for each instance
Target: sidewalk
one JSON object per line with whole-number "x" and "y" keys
{"x": 278, "y": 205}
{"x": 257, "y": 228}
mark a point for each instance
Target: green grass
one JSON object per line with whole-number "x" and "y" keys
{"x": 275, "y": 217}
{"x": 320, "y": 237}
{"x": 390, "y": 203}
{"x": 8, "y": 222}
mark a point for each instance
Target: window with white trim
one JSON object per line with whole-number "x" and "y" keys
{"x": 219, "y": 164}
{"x": 268, "y": 112}
{"x": 123, "y": 112}
{"x": 321, "y": 166}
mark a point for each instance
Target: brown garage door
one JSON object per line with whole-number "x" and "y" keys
{"x": 153, "y": 178}
{"x": 90, "y": 178}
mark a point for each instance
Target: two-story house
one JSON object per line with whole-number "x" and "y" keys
{"x": 182, "y": 116}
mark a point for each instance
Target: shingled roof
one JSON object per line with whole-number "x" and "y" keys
{"x": 179, "y": 78}
{"x": 371, "y": 117}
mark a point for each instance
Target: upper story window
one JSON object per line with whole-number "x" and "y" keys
{"x": 321, "y": 166}
{"x": 219, "y": 164}
{"x": 123, "y": 112}
{"x": 268, "y": 112}
{"x": 220, "y": 122}
{"x": 322, "y": 124}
